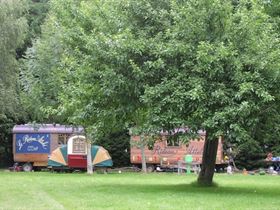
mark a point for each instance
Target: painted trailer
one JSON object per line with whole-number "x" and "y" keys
{"x": 169, "y": 154}
{"x": 32, "y": 145}
{"x": 73, "y": 156}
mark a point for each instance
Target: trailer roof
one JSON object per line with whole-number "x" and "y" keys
{"x": 47, "y": 128}
{"x": 182, "y": 130}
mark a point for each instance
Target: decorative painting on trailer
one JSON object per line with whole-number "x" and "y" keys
{"x": 33, "y": 143}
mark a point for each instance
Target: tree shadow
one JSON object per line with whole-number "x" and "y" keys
{"x": 189, "y": 189}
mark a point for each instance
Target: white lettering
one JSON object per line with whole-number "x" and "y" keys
{"x": 28, "y": 139}
{"x": 32, "y": 149}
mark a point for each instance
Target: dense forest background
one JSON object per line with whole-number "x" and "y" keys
{"x": 45, "y": 45}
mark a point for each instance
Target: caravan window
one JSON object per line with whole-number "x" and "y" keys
{"x": 63, "y": 138}
{"x": 79, "y": 145}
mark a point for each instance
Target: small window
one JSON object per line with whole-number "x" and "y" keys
{"x": 63, "y": 138}
{"x": 79, "y": 145}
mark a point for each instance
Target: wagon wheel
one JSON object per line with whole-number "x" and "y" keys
{"x": 27, "y": 167}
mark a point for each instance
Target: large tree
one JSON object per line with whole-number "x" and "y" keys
{"x": 12, "y": 31}
{"x": 223, "y": 76}
{"x": 13, "y": 28}
{"x": 151, "y": 65}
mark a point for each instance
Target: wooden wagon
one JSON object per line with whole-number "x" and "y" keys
{"x": 32, "y": 144}
{"x": 168, "y": 154}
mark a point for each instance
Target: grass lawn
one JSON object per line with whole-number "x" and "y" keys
{"x": 51, "y": 191}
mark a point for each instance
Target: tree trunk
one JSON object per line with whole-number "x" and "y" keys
{"x": 143, "y": 159}
{"x": 208, "y": 161}
{"x": 89, "y": 158}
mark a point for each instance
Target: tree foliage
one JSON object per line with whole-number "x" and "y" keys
{"x": 13, "y": 28}
{"x": 209, "y": 64}
{"x": 35, "y": 15}
{"x": 272, "y": 7}
{"x": 118, "y": 147}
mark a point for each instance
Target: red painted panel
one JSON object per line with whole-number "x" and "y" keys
{"x": 77, "y": 161}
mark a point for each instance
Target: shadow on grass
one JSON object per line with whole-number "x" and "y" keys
{"x": 190, "y": 189}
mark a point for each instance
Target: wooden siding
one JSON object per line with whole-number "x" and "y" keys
{"x": 54, "y": 142}
{"x": 170, "y": 155}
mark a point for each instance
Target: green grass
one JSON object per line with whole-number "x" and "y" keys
{"x": 44, "y": 190}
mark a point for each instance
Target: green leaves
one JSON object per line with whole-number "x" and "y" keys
{"x": 117, "y": 64}
{"x": 13, "y": 28}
